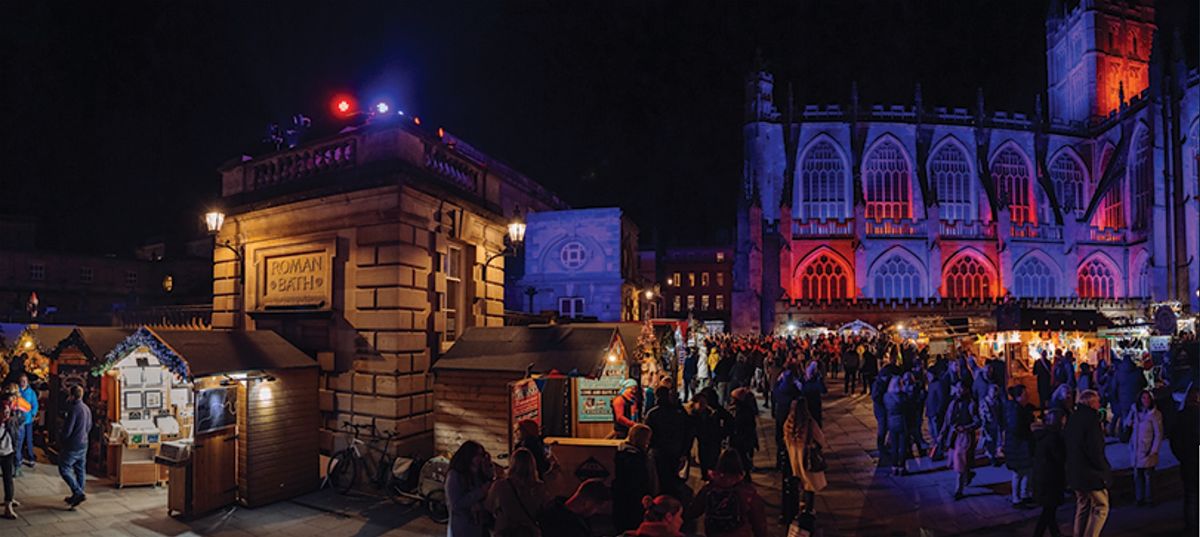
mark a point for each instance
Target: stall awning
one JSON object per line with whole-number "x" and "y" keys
{"x": 213, "y": 352}
{"x": 1016, "y": 318}
{"x": 580, "y": 348}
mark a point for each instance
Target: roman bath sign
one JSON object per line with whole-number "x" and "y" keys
{"x": 295, "y": 280}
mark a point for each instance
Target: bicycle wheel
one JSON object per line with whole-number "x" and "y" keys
{"x": 343, "y": 471}
{"x": 435, "y": 506}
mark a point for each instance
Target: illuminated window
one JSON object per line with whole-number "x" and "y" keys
{"x": 1096, "y": 280}
{"x": 37, "y": 271}
{"x": 453, "y": 301}
{"x": 897, "y": 278}
{"x": 691, "y": 279}
{"x": 704, "y": 279}
{"x": 720, "y": 257}
{"x": 1069, "y": 187}
{"x": 1010, "y": 172}
{"x": 1141, "y": 180}
{"x": 720, "y": 302}
{"x": 823, "y": 279}
{"x": 86, "y": 275}
{"x": 887, "y": 184}
{"x": 570, "y": 307}
{"x": 675, "y": 303}
{"x": 1033, "y": 279}
{"x": 704, "y": 302}
{"x": 951, "y": 176}
{"x": 691, "y": 302}
{"x": 968, "y": 278}
{"x": 720, "y": 279}
{"x": 822, "y": 183}
{"x": 675, "y": 279}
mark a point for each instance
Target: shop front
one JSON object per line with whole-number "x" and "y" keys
{"x": 1024, "y": 335}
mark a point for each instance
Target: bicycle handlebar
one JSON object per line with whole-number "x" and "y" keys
{"x": 356, "y": 427}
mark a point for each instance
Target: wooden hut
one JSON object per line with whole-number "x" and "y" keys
{"x": 71, "y": 363}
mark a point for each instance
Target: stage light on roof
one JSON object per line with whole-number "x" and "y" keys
{"x": 382, "y": 107}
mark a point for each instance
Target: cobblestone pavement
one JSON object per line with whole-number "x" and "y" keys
{"x": 862, "y": 500}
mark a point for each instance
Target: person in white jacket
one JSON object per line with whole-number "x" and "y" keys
{"x": 1147, "y": 437}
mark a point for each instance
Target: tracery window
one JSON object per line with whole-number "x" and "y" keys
{"x": 1096, "y": 280}
{"x": 887, "y": 184}
{"x": 968, "y": 277}
{"x": 1141, "y": 178}
{"x": 951, "y": 176}
{"x": 823, "y": 279}
{"x": 1033, "y": 279}
{"x": 1111, "y": 212}
{"x": 897, "y": 278}
{"x": 1069, "y": 185}
{"x": 1010, "y": 172}
{"x": 823, "y": 183}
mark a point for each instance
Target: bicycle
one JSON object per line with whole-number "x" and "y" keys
{"x": 347, "y": 464}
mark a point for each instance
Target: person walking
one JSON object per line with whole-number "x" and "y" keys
{"x": 958, "y": 436}
{"x": 1041, "y": 370}
{"x": 869, "y": 368}
{"x": 813, "y": 387}
{"x": 691, "y": 366}
{"x": 671, "y": 439}
{"x": 802, "y": 437}
{"x": 73, "y": 442}
{"x": 913, "y": 384}
{"x": 634, "y": 478}
{"x": 991, "y": 410}
{"x": 937, "y": 398}
{"x": 1088, "y": 471}
{"x": 1127, "y": 381}
{"x": 851, "y": 360}
{"x": 1185, "y": 444}
{"x": 895, "y": 403}
{"x": 744, "y": 437}
{"x": 25, "y": 455}
{"x": 1018, "y": 443}
{"x": 729, "y": 503}
{"x": 9, "y": 427}
{"x": 515, "y": 500}
{"x": 1049, "y": 477}
{"x": 467, "y": 484}
{"x": 786, "y": 392}
{"x": 1147, "y": 435}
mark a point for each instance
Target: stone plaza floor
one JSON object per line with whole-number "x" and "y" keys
{"x": 862, "y": 500}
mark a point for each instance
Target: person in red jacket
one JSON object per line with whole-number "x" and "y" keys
{"x": 625, "y": 409}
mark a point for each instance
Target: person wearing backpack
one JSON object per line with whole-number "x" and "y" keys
{"x": 730, "y": 505}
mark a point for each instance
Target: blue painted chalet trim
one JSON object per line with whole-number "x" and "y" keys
{"x": 144, "y": 337}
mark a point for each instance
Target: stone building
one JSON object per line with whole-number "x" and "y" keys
{"x": 857, "y": 210}
{"x": 366, "y": 251}
{"x": 698, "y": 281}
{"x": 581, "y": 263}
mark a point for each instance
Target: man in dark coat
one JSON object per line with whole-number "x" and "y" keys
{"x": 690, "y": 367}
{"x": 1018, "y": 442}
{"x": 1041, "y": 369}
{"x": 1049, "y": 471}
{"x": 1128, "y": 381}
{"x": 851, "y": 360}
{"x": 1185, "y": 443}
{"x": 633, "y": 478}
{"x": 870, "y": 368}
{"x": 1088, "y": 471}
{"x": 670, "y": 440}
{"x": 937, "y": 398}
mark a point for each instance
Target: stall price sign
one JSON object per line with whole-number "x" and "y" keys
{"x": 526, "y": 401}
{"x": 594, "y": 397}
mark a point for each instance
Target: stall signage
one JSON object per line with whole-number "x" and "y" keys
{"x": 591, "y": 469}
{"x": 296, "y": 280}
{"x": 526, "y": 401}
{"x": 594, "y": 401}
{"x": 1160, "y": 343}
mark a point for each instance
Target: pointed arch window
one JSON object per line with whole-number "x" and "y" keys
{"x": 887, "y": 184}
{"x": 1069, "y": 185}
{"x": 1034, "y": 279}
{"x": 1141, "y": 180}
{"x": 1111, "y": 212}
{"x": 1010, "y": 172}
{"x": 823, "y": 280}
{"x": 951, "y": 175}
{"x": 1096, "y": 280}
{"x": 823, "y": 183}
{"x": 968, "y": 277}
{"x": 1144, "y": 284}
{"x": 897, "y": 278}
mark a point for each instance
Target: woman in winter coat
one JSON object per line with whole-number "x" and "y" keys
{"x": 467, "y": 484}
{"x": 634, "y": 478}
{"x": 516, "y": 499}
{"x": 895, "y": 404}
{"x": 1018, "y": 442}
{"x": 745, "y": 426}
{"x": 813, "y": 387}
{"x": 958, "y": 434}
{"x": 1049, "y": 470}
{"x": 1144, "y": 443}
{"x": 991, "y": 410}
{"x": 801, "y": 433}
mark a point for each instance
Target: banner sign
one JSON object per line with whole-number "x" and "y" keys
{"x": 593, "y": 402}
{"x": 526, "y": 402}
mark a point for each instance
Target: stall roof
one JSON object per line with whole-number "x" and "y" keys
{"x": 10, "y": 333}
{"x": 581, "y": 348}
{"x": 98, "y": 340}
{"x": 212, "y": 352}
{"x": 1017, "y": 318}
{"x": 49, "y": 336}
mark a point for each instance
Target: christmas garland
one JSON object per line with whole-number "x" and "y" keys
{"x": 144, "y": 338}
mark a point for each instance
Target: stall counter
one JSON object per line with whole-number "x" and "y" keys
{"x": 579, "y": 459}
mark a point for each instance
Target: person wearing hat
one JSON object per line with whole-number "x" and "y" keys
{"x": 625, "y": 408}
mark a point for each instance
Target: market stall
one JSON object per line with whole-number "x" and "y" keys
{"x": 562, "y": 376}
{"x": 71, "y": 362}
{"x": 230, "y": 416}
{"x": 1023, "y": 335}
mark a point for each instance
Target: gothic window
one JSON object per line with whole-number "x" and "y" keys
{"x": 1096, "y": 280}
{"x": 823, "y": 280}
{"x": 1033, "y": 279}
{"x": 1144, "y": 285}
{"x": 968, "y": 278}
{"x": 1141, "y": 180}
{"x": 1013, "y": 185}
{"x": 951, "y": 176}
{"x": 823, "y": 183}
{"x": 1111, "y": 212}
{"x": 897, "y": 278}
{"x": 887, "y": 182}
{"x": 1069, "y": 187}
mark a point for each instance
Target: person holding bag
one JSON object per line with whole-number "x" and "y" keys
{"x": 516, "y": 499}
{"x": 958, "y": 434}
{"x": 805, "y": 442}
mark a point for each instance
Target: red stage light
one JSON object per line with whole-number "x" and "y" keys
{"x": 344, "y": 105}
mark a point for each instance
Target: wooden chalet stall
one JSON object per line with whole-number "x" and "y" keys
{"x": 242, "y": 406}
{"x": 562, "y": 376}
{"x": 71, "y": 362}
{"x": 1022, "y": 334}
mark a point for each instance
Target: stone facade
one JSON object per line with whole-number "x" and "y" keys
{"x": 916, "y": 204}
{"x": 581, "y": 263}
{"x": 365, "y": 250}
{"x": 699, "y": 282}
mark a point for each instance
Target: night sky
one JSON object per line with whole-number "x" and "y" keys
{"x": 116, "y": 115}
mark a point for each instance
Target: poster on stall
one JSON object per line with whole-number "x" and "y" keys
{"x": 594, "y": 397}
{"x": 1160, "y": 343}
{"x": 526, "y": 401}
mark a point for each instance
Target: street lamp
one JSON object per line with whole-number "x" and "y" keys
{"x": 512, "y": 242}
{"x": 214, "y": 220}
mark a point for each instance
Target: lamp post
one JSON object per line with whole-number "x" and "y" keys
{"x": 214, "y": 220}
{"x": 651, "y": 296}
{"x": 512, "y": 243}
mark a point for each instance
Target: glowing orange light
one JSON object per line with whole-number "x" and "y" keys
{"x": 441, "y": 132}
{"x": 416, "y": 120}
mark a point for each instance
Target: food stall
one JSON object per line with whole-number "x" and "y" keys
{"x": 211, "y": 408}
{"x": 1022, "y": 335}
{"x": 563, "y": 376}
